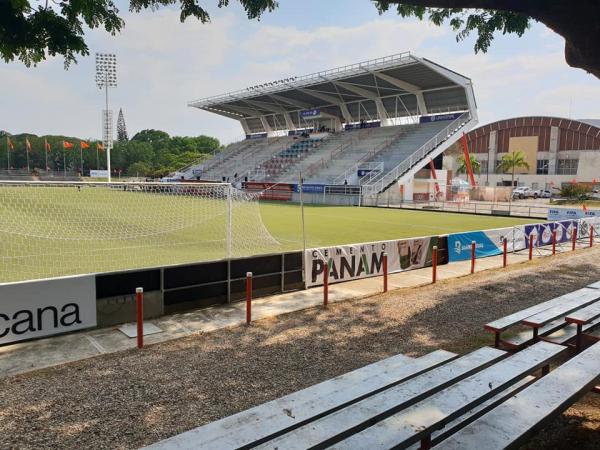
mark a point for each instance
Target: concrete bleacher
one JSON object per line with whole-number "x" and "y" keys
{"x": 322, "y": 158}
{"x": 412, "y": 139}
{"x": 488, "y": 398}
{"x": 239, "y": 158}
{"x": 283, "y": 165}
{"x": 358, "y": 147}
{"x": 328, "y": 147}
{"x": 386, "y": 145}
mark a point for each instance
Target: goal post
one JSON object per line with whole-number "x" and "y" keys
{"x": 52, "y": 229}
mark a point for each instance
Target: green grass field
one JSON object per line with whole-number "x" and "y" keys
{"x": 53, "y": 231}
{"x": 332, "y": 225}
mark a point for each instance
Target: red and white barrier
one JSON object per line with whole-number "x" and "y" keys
{"x": 139, "y": 306}
{"x": 248, "y": 298}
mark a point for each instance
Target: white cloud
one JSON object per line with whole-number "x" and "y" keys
{"x": 571, "y": 100}
{"x": 163, "y": 64}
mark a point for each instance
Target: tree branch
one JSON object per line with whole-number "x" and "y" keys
{"x": 576, "y": 21}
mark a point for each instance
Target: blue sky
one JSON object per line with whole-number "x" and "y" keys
{"x": 163, "y": 64}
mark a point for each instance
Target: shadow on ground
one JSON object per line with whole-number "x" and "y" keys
{"x": 133, "y": 398}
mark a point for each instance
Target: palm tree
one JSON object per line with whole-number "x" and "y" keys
{"x": 512, "y": 161}
{"x": 462, "y": 165}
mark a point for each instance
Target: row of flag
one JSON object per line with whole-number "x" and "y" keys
{"x": 47, "y": 147}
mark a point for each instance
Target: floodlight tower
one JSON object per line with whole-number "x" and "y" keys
{"x": 106, "y": 77}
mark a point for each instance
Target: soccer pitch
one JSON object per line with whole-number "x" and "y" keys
{"x": 56, "y": 231}
{"x": 333, "y": 225}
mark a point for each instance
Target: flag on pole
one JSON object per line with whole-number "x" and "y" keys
{"x": 47, "y": 146}
{"x": 27, "y": 145}
{"x": 67, "y": 144}
{"x": 9, "y": 143}
{"x": 99, "y": 146}
{"x": 84, "y": 144}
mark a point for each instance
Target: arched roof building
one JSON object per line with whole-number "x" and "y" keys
{"x": 557, "y": 149}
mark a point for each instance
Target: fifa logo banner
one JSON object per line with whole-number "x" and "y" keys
{"x": 487, "y": 243}
{"x": 351, "y": 262}
{"x": 571, "y": 213}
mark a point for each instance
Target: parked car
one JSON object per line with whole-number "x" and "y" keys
{"x": 522, "y": 192}
{"x": 542, "y": 193}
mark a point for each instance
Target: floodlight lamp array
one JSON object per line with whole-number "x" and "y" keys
{"x": 272, "y": 83}
{"x": 106, "y": 70}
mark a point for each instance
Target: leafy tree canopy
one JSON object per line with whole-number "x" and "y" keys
{"x": 149, "y": 153}
{"x": 462, "y": 165}
{"x": 574, "y": 20}
{"x": 30, "y": 30}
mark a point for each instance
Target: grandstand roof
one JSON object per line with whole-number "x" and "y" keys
{"x": 380, "y": 89}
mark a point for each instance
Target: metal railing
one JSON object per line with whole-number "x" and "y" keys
{"x": 417, "y": 156}
{"x": 469, "y": 207}
{"x": 375, "y": 169}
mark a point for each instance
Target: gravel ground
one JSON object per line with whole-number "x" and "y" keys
{"x": 133, "y": 398}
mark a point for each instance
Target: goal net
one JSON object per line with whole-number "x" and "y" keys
{"x": 55, "y": 229}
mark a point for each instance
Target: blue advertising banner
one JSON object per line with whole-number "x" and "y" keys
{"x": 487, "y": 243}
{"x": 438, "y": 117}
{"x": 310, "y": 188}
{"x": 314, "y": 113}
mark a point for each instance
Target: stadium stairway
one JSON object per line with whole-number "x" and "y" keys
{"x": 413, "y": 137}
{"x": 414, "y": 151}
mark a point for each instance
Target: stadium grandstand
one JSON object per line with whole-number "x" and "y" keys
{"x": 558, "y": 151}
{"x": 366, "y": 126}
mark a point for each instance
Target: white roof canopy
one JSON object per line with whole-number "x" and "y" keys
{"x": 391, "y": 87}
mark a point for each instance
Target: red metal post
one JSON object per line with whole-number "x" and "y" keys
{"x": 434, "y": 258}
{"x": 385, "y": 272}
{"x": 530, "y": 247}
{"x": 574, "y": 235}
{"x": 554, "y": 242}
{"x": 505, "y": 247}
{"x": 139, "y": 306}
{"x": 325, "y": 284}
{"x": 467, "y": 159}
{"x": 248, "y": 298}
{"x": 473, "y": 257}
{"x": 591, "y": 235}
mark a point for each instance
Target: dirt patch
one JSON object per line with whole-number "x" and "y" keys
{"x": 134, "y": 398}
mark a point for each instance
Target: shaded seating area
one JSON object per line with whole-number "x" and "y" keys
{"x": 289, "y": 157}
{"x": 489, "y": 398}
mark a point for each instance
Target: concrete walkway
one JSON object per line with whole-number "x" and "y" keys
{"x": 27, "y": 356}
